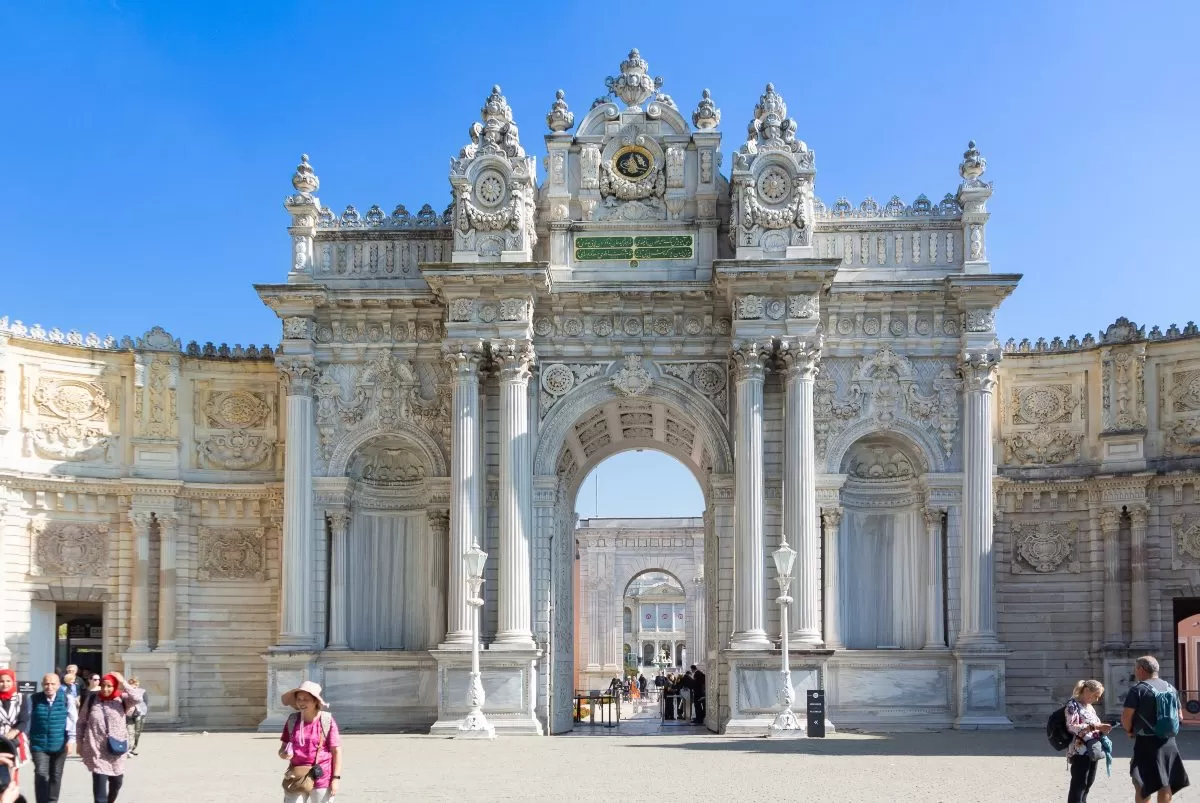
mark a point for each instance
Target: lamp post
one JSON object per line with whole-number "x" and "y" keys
{"x": 475, "y": 724}
{"x": 786, "y": 724}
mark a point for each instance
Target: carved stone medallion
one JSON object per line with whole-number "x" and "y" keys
{"x": 229, "y": 553}
{"x": 68, "y": 549}
{"x": 633, "y": 379}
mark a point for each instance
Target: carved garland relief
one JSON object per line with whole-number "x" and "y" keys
{"x": 1182, "y": 413}
{"x": 1041, "y": 425}
{"x": 238, "y": 448}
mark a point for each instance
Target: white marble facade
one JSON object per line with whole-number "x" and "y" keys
{"x": 965, "y": 514}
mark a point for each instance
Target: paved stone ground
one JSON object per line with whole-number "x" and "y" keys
{"x": 948, "y": 766}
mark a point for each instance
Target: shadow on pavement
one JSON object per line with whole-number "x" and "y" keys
{"x": 1021, "y": 742}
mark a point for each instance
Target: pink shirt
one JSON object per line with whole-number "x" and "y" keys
{"x": 304, "y": 745}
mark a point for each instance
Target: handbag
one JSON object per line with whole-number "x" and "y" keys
{"x": 301, "y": 778}
{"x": 118, "y": 747}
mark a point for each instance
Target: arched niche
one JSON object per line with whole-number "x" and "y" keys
{"x": 396, "y": 564}
{"x": 882, "y": 550}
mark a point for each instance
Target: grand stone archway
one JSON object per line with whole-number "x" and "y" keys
{"x": 597, "y": 421}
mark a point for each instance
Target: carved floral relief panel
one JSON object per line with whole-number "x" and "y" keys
{"x": 232, "y": 553}
{"x": 1179, "y": 408}
{"x": 1044, "y": 546}
{"x": 69, "y": 549}
{"x": 235, "y": 427}
{"x": 67, "y": 417}
{"x": 1043, "y": 423}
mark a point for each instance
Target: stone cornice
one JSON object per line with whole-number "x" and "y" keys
{"x": 457, "y": 279}
{"x": 292, "y": 299}
{"x": 980, "y": 288}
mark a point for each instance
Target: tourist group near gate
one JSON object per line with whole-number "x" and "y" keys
{"x": 384, "y": 501}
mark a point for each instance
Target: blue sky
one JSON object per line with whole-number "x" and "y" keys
{"x": 147, "y": 146}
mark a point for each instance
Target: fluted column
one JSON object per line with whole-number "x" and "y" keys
{"x": 296, "y": 582}
{"x": 800, "y": 359}
{"x": 339, "y": 580}
{"x": 832, "y": 520}
{"x": 466, "y": 525}
{"x": 139, "y": 592}
{"x": 935, "y": 627}
{"x": 696, "y": 639}
{"x": 979, "y": 370}
{"x": 749, "y": 361}
{"x": 1110, "y": 526}
{"x": 168, "y": 539}
{"x": 514, "y": 359}
{"x": 439, "y": 538}
{"x": 1139, "y": 588}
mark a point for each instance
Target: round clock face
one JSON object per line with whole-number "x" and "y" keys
{"x": 633, "y": 162}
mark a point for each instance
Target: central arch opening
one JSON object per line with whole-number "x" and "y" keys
{"x": 640, "y": 599}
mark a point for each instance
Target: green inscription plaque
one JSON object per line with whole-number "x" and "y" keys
{"x": 650, "y": 246}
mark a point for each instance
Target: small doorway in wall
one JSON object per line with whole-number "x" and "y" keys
{"x": 79, "y": 636}
{"x": 1187, "y": 656}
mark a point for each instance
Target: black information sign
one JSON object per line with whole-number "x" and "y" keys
{"x": 26, "y": 686}
{"x": 815, "y": 699}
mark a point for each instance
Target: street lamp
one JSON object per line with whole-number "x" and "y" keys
{"x": 785, "y": 723}
{"x": 475, "y": 724}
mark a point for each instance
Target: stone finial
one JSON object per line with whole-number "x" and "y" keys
{"x": 560, "y": 117}
{"x": 496, "y": 106}
{"x": 634, "y": 85}
{"x": 304, "y": 179}
{"x": 973, "y": 164}
{"x": 707, "y": 116}
{"x": 770, "y": 105}
{"x": 771, "y": 128}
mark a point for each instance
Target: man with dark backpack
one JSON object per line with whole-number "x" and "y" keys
{"x": 1151, "y": 718}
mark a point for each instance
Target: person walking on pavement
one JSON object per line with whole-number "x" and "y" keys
{"x": 138, "y": 720}
{"x": 52, "y": 722}
{"x": 101, "y": 723}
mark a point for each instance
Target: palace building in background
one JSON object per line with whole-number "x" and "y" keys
{"x": 977, "y": 525}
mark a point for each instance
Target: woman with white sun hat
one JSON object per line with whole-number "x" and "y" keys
{"x": 311, "y": 746}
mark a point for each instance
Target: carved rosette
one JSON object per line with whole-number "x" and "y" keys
{"x": 70, "y": 549}
{"x": 1043, "y": 546}
{"x": 559, "y": 379}
{"x": 232, "y": 553}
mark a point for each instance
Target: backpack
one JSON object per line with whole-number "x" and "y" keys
{"x": 1056, "y": 729}
{"x": 1166, "y": 712}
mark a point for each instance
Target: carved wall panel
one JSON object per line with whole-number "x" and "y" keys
{"x": 71, "y": 420}
{"x": 235, "y": 428}
{"x": 1179, "y": 400}
{"x": 232, "y": 553}
{"x": 69, "y": 549}
{"x": 1044, "y": 546}
{"x": 1044, "y": 423}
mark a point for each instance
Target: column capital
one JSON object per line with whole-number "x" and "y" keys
{"x": 980, "y": 369}
{"x": 1110, "y": 520}
{"x": 1138, "y": 516}
{"x": 513, "y": 358}
{"x": 439, "y": 520}
{"x": 464, "y": 357}
{"x": 750, "y": 358}
{"x": 339, "y": 518}
{"x": 832, "y": 515}
{"x": 933, "y": 516}
{"x": 298, "y": 373}
{"x": 800, "y": 357}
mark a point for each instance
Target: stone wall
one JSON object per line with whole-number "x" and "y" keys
{"x": 113, "y": 450}
{"x": 1098, "y": 508}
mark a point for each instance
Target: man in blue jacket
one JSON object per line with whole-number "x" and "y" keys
{"x": 52, "y": 716}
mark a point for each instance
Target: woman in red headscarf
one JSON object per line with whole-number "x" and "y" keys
{"x": 103, "y": 737}
{"x": 14, "y": 718}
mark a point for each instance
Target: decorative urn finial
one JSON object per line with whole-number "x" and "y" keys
{"x": 634, "y": 85}
{"x": 560, "y": 117}
{"x": 973, "y": 164}
{"x": 707, "y": 116}
{"x": 496, "y": 106}
{"x": 304, "y": 179}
